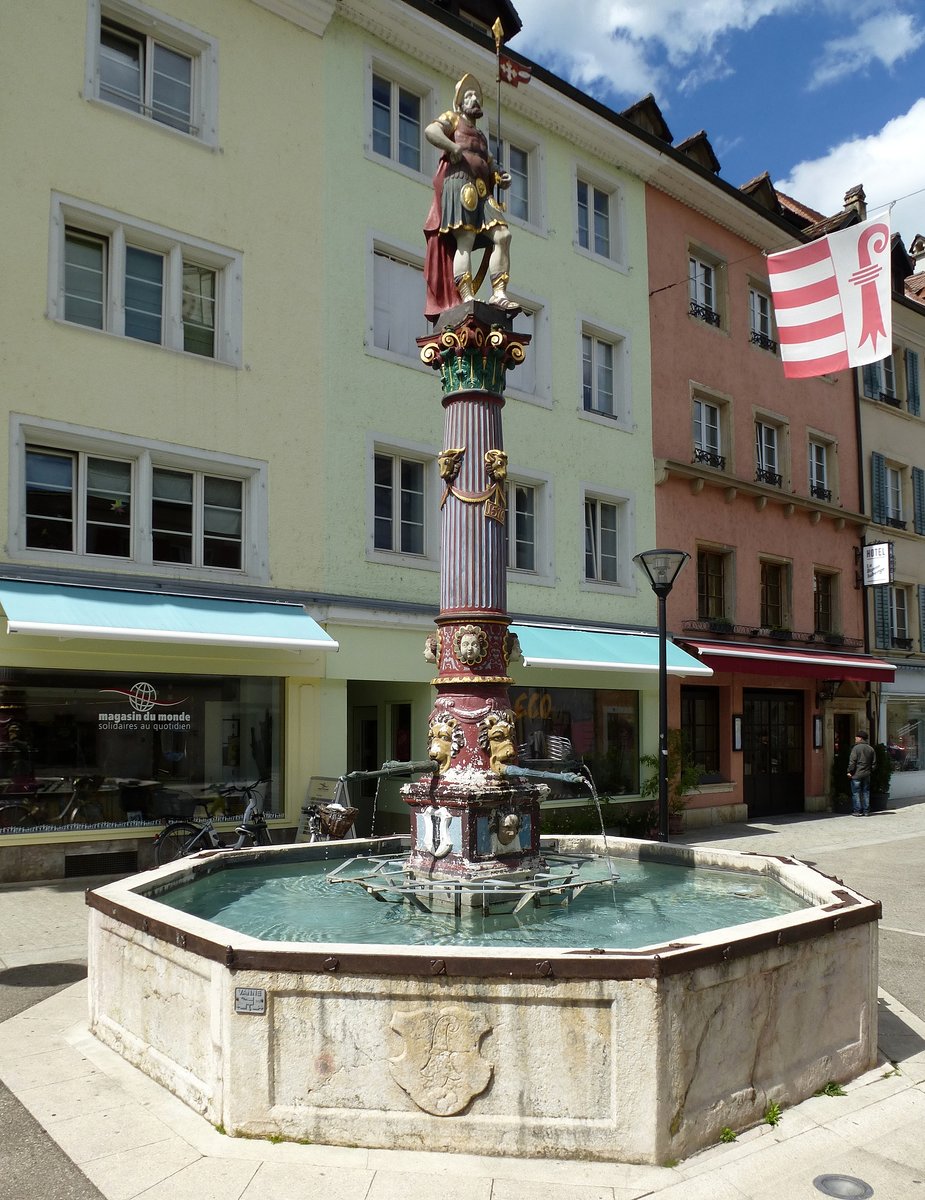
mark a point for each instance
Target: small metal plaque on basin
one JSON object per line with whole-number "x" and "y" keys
{"x": 250, "y": 1000}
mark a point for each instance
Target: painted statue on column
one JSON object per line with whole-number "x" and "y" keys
{"x": 465, "y": 216}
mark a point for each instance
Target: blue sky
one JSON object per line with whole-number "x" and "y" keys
{"x": 821, "y": 94}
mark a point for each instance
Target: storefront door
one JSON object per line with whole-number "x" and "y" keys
{"x": 773, "y": 752}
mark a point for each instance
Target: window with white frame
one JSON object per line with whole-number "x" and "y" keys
{"x": 708, "y": 433}
{"x": 89, "y": 494}
{"x": 398, "y": 304}
{"x": 598, "y": 220}
{"x": 606, "y": 519}
{"x": 399, "y": 504}
{"x": 820, "y": 473}
{"x": 396, "y": 121}
{"x": 518, "y": 161}
{"x": 604, "y": 374}
{"x": 704, "y": 287}
{"x": 899, "y": 617}
{"x": 154, "y": 66}
{"x": 894, "y": 498}
{"x": 879, "y": 381}
{"x": 141, "y": 281}
{"x": 521, "y": 526}
{"x": 761, "y": 324}
{"x": 768, "y": 453}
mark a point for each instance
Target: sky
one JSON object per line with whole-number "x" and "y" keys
{"x": 821, "y": 94}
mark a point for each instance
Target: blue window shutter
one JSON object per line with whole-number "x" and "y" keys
{"x": 877, "y": 487}
{"x": 883, "y": 622}
{"x": 871, "y": 379}
{"x": 912, "y": 382}
{"x": 922, "y": 616}
{"x": 918, "y": 499}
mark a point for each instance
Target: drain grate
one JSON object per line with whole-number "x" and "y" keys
{"x": 122, "y": 862}
{"x": 844, "y": 1187}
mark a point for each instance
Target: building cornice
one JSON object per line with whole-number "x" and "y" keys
{"x": 311, "y": 15}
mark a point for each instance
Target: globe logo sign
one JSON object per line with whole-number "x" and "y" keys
{"x": 142, "y": 697}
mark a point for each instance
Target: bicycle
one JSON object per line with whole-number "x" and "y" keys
{"x": 77, "y": 808}
{"x": 180, "y": 838}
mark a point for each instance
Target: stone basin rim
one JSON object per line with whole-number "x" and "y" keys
{"x": 831, "y": 906}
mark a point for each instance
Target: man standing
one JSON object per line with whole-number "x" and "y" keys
{"x": 860, "y": 764}
{"x": 464, "y": 215}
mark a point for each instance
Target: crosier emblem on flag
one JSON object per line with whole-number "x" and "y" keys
{"x": 513, "y": 72}
{"x": 832, "y": 300}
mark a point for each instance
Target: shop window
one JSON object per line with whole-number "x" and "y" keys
{"x": 700, "y": 729}
{"x": 905, "y": 738}
{"x": 94, "y": 495}
{"x": 83, "y": 749}
{"x": 150, "y": 64}
{"x": 580, "y": 725}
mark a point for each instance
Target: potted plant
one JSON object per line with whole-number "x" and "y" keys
{"x": 683, "y": 778}
{"x": 780, "y": 633}
{"x": 834, "y": 639}
{"x": 880, "y": 779}
{"x": 719, "y": 624}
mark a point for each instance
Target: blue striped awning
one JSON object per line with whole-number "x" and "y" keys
{"x": 57, "y": 610}
{"x": 596, "y": 650}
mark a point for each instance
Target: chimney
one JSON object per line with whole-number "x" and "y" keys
{"x": 855, "y": 198}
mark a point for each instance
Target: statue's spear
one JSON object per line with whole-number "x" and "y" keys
{"x": 498, "y": 30}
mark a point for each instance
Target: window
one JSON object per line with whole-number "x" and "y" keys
{"x": 894, "y": 498}
{"x": 819, "y": 485}
{"x": 767, "y": 457}
{"x": 899, "y": 613}
{"x": 399, "y": 506}
{"x": 703, "y": 287}
{"x": 520, "y": 529}
{"x": 760, "y": 321}
{"x": 879, "y": 381}
{"x": 888, "y": 481}
{"x": 518, "y": 162}
{"x": 396, "y": 122}
{"x": 598, "y": 220}
{"x": 774, "y": 595}
{"x": 149, "y": 64}
{"x": 141, "y": 281}
{"x": 606, "y": 521}
{"x": 708, "y": 434}
{"x": 604, "y": 374}
{"x": 711, "y": 585}
{"x": 824, "y": 602}
{"x": 398, "y": 305}
{"x": 93, "y": 494}
{"x": 700, "y": 729}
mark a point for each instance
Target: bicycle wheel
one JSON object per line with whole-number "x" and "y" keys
{"x": 16, "y": 816}
{"x": 174, "y": 841}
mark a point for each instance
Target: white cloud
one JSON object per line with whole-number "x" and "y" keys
{"x": 621, "y": 43}
{"x": 889, "y": 164}
{"x": 886, "y": 38}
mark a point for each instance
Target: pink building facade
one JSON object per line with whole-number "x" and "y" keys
{"x": 757, "y": 479}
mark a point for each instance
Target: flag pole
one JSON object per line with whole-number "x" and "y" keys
{"x": 498, "y": 31}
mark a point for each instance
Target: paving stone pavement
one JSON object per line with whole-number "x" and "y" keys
{"x": 81, "y": 1124}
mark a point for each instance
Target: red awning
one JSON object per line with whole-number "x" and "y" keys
{"x": 746, "y": 659}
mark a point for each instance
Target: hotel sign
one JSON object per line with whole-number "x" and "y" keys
{"x": 877, "y": 563}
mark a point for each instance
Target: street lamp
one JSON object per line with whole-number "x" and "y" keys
{"x": 661, "y": 568}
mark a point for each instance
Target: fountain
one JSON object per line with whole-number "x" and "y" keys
{"x": 578, "y": 1048}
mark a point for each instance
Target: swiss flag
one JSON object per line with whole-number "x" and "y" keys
{"x": 832, "y": 300}
{"x": 513, "y": 72}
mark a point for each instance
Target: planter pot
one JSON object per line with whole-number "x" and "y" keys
{"x": 720, "y": 626}
{"x": 780, "y": 635}
{"x": 879, "y": 801}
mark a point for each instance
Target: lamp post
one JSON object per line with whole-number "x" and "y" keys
{"x": 661, "y": 568}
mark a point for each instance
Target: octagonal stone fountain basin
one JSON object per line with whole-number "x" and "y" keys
{"x": 597, "y": 1052}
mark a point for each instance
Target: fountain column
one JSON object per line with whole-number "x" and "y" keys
{"x": 468, "y": 820}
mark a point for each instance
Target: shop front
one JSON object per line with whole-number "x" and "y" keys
{"x": 122, "y": 709}
{"x": 902, "y": 729}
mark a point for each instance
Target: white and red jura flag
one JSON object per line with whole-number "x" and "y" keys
{"x": 513, "y": 72}
{"x": 832, "y": 300}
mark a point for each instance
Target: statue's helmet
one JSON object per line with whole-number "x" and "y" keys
{"x": 468, "y": 83}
